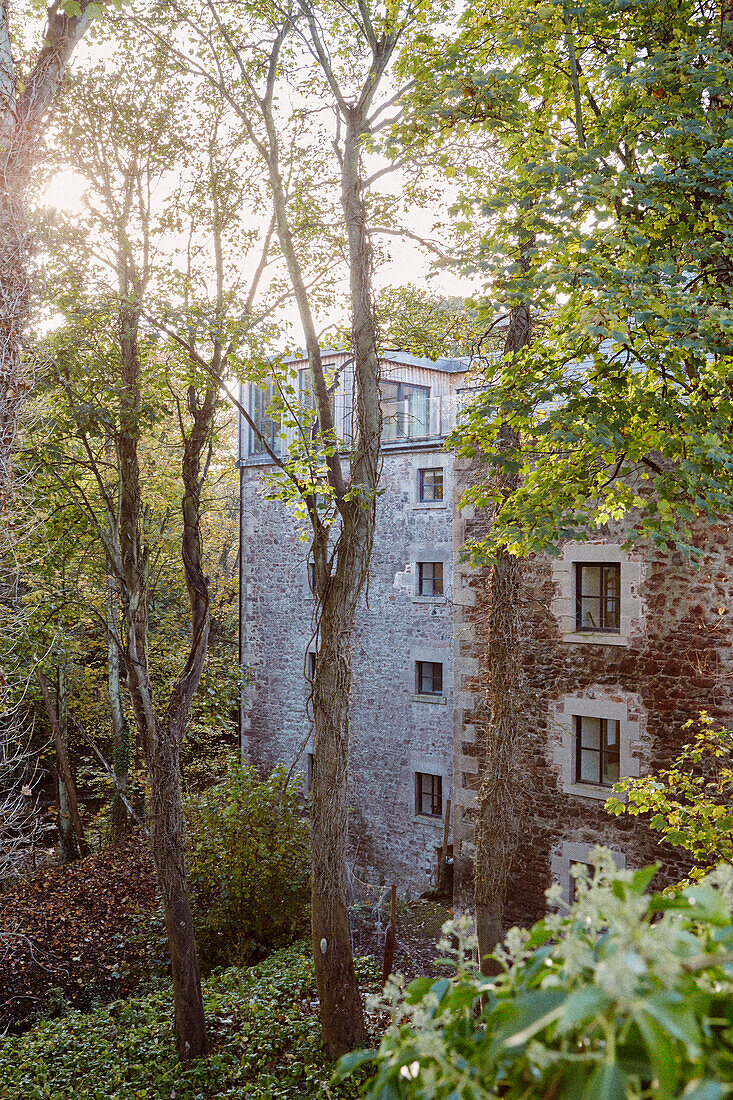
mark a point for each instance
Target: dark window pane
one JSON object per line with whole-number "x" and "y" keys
{"x": 428, "y": 794}
{"x": 430, "y": 578}
{"x": 598, "y": 597}
{"x": 597, "y": 757}
{"x": 429, "y": 677}
{"x": 430, "y": 485}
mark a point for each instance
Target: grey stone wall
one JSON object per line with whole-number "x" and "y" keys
{"x": 393, "y": 733}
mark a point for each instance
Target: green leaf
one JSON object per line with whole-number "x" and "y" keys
{"x": 676, "y": 1019}
{"x": 582, "y": 1005}
{"x": 606, "y": 1083}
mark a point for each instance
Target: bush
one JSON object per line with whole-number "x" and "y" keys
{"x": 264, "y": 1030}
{"x": 628, "y": 995}
{"x": 689, "y": 803}
{"x": 248, "y": 865}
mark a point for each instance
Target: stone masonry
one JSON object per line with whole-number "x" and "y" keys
{"x": 671, "y": 659}
{"x": 395, "y": 731}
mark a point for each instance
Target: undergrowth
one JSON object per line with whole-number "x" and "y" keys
{"x": 264, "y": 1031}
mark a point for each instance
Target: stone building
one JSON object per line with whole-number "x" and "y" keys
{"x": 403, "y": 676}
{"x": 620, "y": 651}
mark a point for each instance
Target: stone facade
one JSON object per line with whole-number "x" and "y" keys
{"x": 396, "y": 732}
{"x": 670, "y": 659}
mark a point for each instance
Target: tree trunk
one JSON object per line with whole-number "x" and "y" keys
{"x": 342, "y": 1016}
{"x": 24, "y": 109}
{"x": 121, "y": 742}
{"x": 15, "y": 283}
{"x": 499, "y": 799}
{"x": 68, "y": 846}
{"x": 64, "y": 767}
{"x": 341, "y": 1007}
{"x": 161, "y": 737}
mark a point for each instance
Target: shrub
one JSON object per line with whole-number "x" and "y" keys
{"x": 248, "y": 865}
{"x": 689, "y": 803}
{"x": 627, "y": 995}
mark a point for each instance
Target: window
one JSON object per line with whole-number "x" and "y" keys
{"x": 428, "y": 794}
{"x": 429, "y": 677}
{"x": 573, "y": 879}
{"x": 430, "y": 485}
{"x": 268, "y": 428}
{"x": 312, "y": 576}
{"x": 311, "y": 666}
{"x": 309, "y": 776}
{"x": 598, "y": 597}
{"x": 405, "y": 411}
{"x": 597, "y": 756}
{"x": 430, "y": 578}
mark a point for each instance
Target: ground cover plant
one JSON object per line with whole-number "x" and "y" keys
{"x": 623, "y": 995}
{"x": 265, "y": 1039}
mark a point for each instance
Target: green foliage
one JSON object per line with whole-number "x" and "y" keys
{"x": 265, "y": 1038}
{"x": 627, "y": 995}
{"x": 249, "y": 865}
{"x": 689, "y": 803}
{"x": 610, "y": 130}
{"x": 421, "y": 323}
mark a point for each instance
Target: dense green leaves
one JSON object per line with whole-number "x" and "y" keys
{"x": 689, "y": 803}
{"x": 624, "y": 995}
{"x": 265, "y": 1032}
{"x": 599, "y": 138}
{"x": 248, "y": 864}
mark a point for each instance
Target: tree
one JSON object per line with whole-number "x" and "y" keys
{"x": 126, "y": 142}
{"x": 591, "y": 191}
{"x": 27, "y": 90}
{"x": 689, "y": 803}
{"x": 354, "y": 50}
{"x": 622, "y": 403}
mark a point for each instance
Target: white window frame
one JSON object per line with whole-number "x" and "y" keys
{"x": 431, "y": 462}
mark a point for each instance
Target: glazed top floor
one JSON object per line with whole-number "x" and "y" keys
{"x": 420, "y": 401}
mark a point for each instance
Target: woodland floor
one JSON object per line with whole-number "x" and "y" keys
{"x": 90, "y": 932}
{"x": 76, "y": 935}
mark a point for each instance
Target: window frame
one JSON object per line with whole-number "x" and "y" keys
{"x": 434, "y": 794}
{"x": 603, "y": 598}
{"x": 604, "y": 752}
{"x": 419, "y": 678}
{"x": 432, "y": 470}
{"x": 421, "y": 579}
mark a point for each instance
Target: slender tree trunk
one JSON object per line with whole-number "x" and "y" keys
{"x": 161, "y": 735}
{"x": 499, "y": 800}
{"x": 24, "y": 108}
{"x": 341, "y": 1007}
{"x": 68, "y": 846}
{"x": 121, "y": 741}
{"x": 15, "y": 286}
{"x": 64, "y": 766}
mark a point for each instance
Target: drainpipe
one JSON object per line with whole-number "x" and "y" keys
{"x": 241, "y": 593}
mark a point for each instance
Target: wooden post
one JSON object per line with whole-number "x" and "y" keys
{"x": 389, "y": 941}
{"x": 444, "y": 848}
